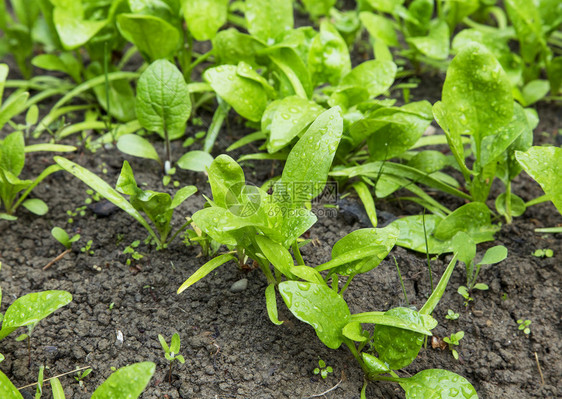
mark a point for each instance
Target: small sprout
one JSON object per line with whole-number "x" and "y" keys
{"x": 453, "y": 341}
{"x": 131, "y": 249}
{"x": 171, "y": 352}
{"x": 322, "y": 369}
{"x": 481, "y": 287}
{"x": 504, "y": 296}
{"x": 63, "y": 237}
{"x": 451, "y": 315}
{"x": 463, "y": 291}
{"x": 87, "y": 249}
{"x": 111, "y": 305}
{"x": 544, "y": 253}
{"x": 524, "y": 325}
{"x": 80, "y": 376}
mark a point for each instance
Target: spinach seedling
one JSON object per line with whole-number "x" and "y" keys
{"x": 452, "y": 315}
{"x": 463, "y": 291}
{"x": 171, "y": 352}
{"x": 158, "y": 207}
{"x": 81, "y": 376}
{"x": 87, "y": 248}
{"x": 322, "y": 369}
{"x": 134, "y": 255}
{"x": 524, "y": 326}
{"x": 453, "y": 341}
{"x": 544, "y": 253}
{"x": 63, "y": 237}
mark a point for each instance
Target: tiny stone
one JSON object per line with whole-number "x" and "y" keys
{"x": 119, "y": 340}
{"x": 239, "y": 286}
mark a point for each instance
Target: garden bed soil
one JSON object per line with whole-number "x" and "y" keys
{"x": 231, "y": 348}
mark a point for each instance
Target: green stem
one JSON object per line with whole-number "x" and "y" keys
{"x": 182, "y": 228}
{"x": 427, "y": 251}
{"x": 538, "y": 200}
{"x": 216, "y": 124}
{"x": 347, "y": 282}
{"x": 434, "y": 298}
{"x": 508, "y": 217}
{"x": 297, "y": 253}
{"x": 200, "y": 59}
{"x": 402, "y": 281}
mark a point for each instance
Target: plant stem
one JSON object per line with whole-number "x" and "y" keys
{"x": 402, "y": 281}
{"x": 297, "y": 253}
{"x": 178, "y": 231}
{"x": 347, "y": 282}
{"x": 427, "y": 251}
{"x": 508, "y": 217}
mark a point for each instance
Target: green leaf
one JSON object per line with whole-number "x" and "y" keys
{"x": 293, "y": 74}
{"x": 477, "y": 97}
{"x": 137, "y": 146}
{"x": 14, "y": 105}
{"x": 438, "y": 384}
{"x": 469, "y": 218}
{"x": 374, "y": 365}
{"x": 163, "y": 343}
{"x": 163, "y": 101}
{"x": 375, "y": 76}
{"x": 494, "y": 255}
{"x": 397, "y": 346}
{"x": 319, "y": 306}
{"x": 310, "y": 160}
{"x": 182, "y": 194}
{"x": 544, "y": 164}
{"x": 56, "y": 387}
{"x": 271, "y": 304}
{"x": 465, "y": 247}
{"x": 7, "y": 389}
{"x": 267, "y": 20}
{"x": 12, "y": 154}
{"x": 204, "y": 17}
{"x": 318, "y": 8}
{"x": 204, "y": 270}
{"x": 103, "y": 189}
{"x": 36, "y": 206}
{"x": 367, "y": 199}
{"x": 526, "y": 20}
{"x": 382, "y": 239}
{"x": 73, "y": 30}
{"x": 436, "y": 44}
{"x": 517, "y": 205}
{"x": 154, "y": 37}
{"x": 32, "y": 308}
{"x": 278, "y": 255}
{"x": 309, "y": 274}
{"x": 197, "y": 161}
{"x": 175, "y": 344}
{"x": 387, "y": 6}
{"x": 231, "y": 46}
{"x": 328, "y": 58}
{"x": 4, "y": 69}
{"x": 225, "y": 175}
{"x": 379, "y": 27}
{"x": 126, "y": 383}
{"x": 246, "y": 96}
{"x": 535, "y": 91}
{"x": 61, "y": 236}
{"x": 285, "y": 119}
{"x": 429, "y": 305}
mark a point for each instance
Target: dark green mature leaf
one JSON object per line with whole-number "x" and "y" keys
{"x": 7, "y": 389}
{"x": 32, "y": 308}
{"x": 385, "y": 238}
{"x": 476, "y": 94}
{"x": 204, "y": 17}
{"x": 438, "y": 384}
{"x": 246, "y": 96}
{"x": 328, "y": 58}
{"x": 396, "y": 346}
{"x": 285, "y": 119}
{"x": 310, "y": 160}
{"x": 267, "y": 20}
{"x": 12, "y": 153}
{"x": 126, "y": 383}
{"x": 319, "y": 306}
{"x": 526, "y": 20}
{"x": 163, "y": 101}
{"x": 436, "y": 43}
{"x": 154, "y": 37}
{"x": 544, "y": 164}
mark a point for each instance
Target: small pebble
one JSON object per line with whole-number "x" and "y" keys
{"x": 239, "y": 286}
{"x": 119, "y": 340}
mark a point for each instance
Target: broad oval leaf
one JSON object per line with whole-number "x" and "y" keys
{"x": 436, "y": 43}
{"x": 31, "y": 308}
{"x": 154, "y": 37}
{"x": 438, "y": 384}
{"x": 197, "y": 161}
{"x": 73, "y": 30}
{"x": 36, "y": 206}
{"x": 246, "y": 96}
{"x": 7, "y": 389}
{"x": 278, "y": 255}
{"x": 126, "y": 383}
{"x": 137, "y": 146}
{"x": 319, "y": 306}
{"x": 163, "y": 102}
{"x": 328, "y": 58}
{"x": 205, "y": 17}
{"x": 494, "y": 255}
{"x": 379, "y": 27}
{"x": 267, "y": 20}
{"x": 374, "y": 365}
{"x": 12, "y": 153}
{"x": 376, "y": 76}
{"x": 517, "y": 205}
{"x": 224, "y": 175}
{"x": 468, "y": 218}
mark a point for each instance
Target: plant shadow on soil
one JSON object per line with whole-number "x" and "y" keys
{"x": 232, "y": 350}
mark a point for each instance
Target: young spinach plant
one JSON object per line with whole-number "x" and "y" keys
{"x": 171, "y": 352}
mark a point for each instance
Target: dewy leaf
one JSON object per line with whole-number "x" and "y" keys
{"x": 285, "y": 119}
{"x": 137, "y": 146}
{"x": 471, "y": 218}
{"x": 374, "y": 365}
{"x": 436, "y": 43}
{"x": 225, "y": 175}
{"x": 376, "y": 76}
{"x": 319, "y": 306}
{"x": 197, "y": 161}
{"x": 267, "y": 20}
{"x": 476, "y": 94}
{"x": 438, "y": 384}
{"x": 32, "y": 308}
{"x": 278, "y": 255}
{"x": 126, "y": 383}
{"x": 163, "y": 101}
{"x": 526, "y": 20}
{"x": 12, "y": 153}
{"x": 154, "y": 37}
{"x": 246, "y": 96}
{"x": 328, "y": 58}
{"x": 204, "y": 17}
{"x": 544, "y": 164}
{"x": 231, "y": 46}
{"x": 7, "y": 389}
{"x": 310, "y": 160}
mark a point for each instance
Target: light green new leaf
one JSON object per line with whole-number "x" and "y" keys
{"x": 277, "y": 254}
{"x": 32, "y": 308}
{"x": 375, "y": 76}
{"x": 310, "y": 160}
{"x": 73, "y": 30}
{"x": 137, "y": 146}
{"x": 126, "y": 383}
{"x": 476, "y": 94}
{"x": 204, "y": 270}
{"x": 379, "y": 27}
{"x": 436, "y": 44}
{"x": 366, "y": 198}
{"x": 12, "y": 153}
{"x": 526, "y": 20}
{"x": 197, "y": 161}
{"x": 246, "y": 96}
{"x": 163, "y": 102}
{"x": 317, "y": 8}
{"x": 14, "y": 105}
{"x": 204, "y": 17}
{"x": 468, "y": 218}
{"x": 271, "y": 304}
{"x": 517, "y": 206}
{"x": 534, "y": 91}
{"x": 4, "y": 69}
{"x": 181, "y": 195}
{"x": 374, "y": 365}
{"x": 319, "y": 306}
{"x": 7, "y": 389}
{"x": 494, "y": 255}
{"x": 438, "y": 384}
{"x": 328, "y": 58}
{"x": 544, "y": 164}
{"x": 226, "y": 178}
{"x": 36, "y": 206}
{"x": 231, "y": 46}
{"x": 154, "y": 37}
{"x": 387, "y": 6}
{"x": 56, "y": 387}
{"x": 267, "y": 20}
